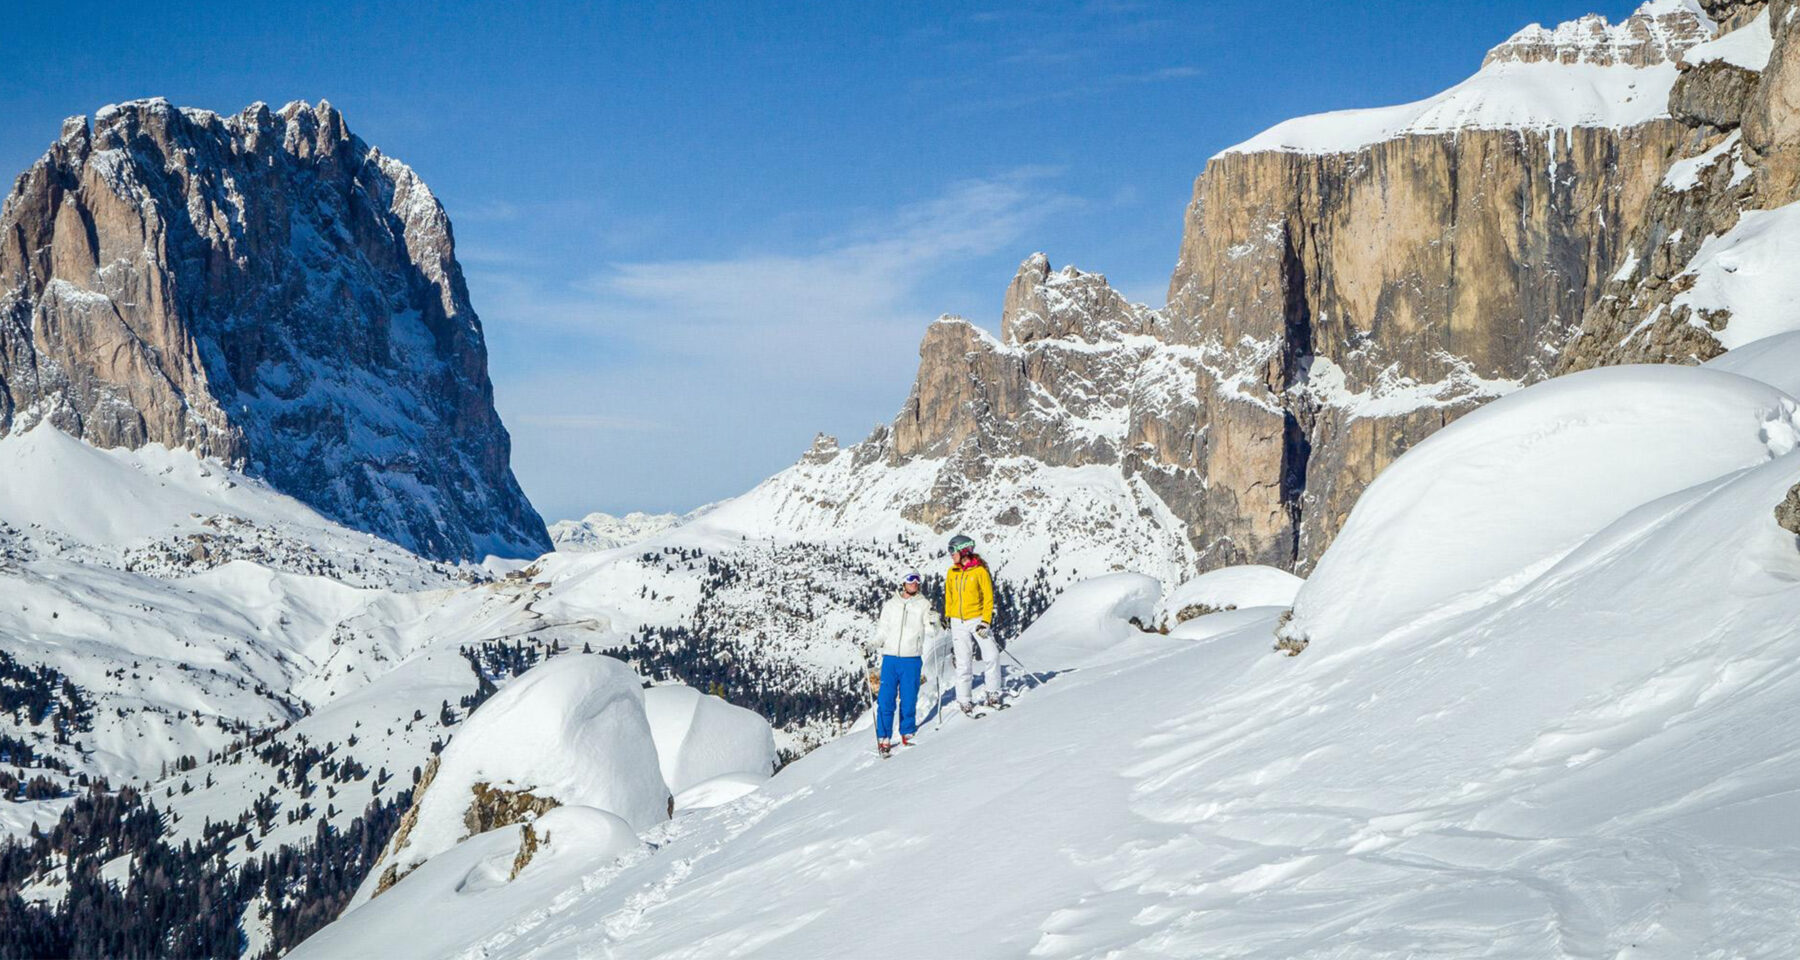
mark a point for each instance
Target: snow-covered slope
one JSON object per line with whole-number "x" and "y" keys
{"x": 1748, "y": 47}
{"x": 186, "y": 602}
{"x": 1086, "y": 520}
{"x": 1746, "y": 278}
{"x": 1584, "y": 73}
{"x": 268, "y": 679}
{"x": 1502, "y": 96}
{"x": 1576, "y": 765}
{"x": 1486, "y": 505}
{"x": 1773, "y": 360}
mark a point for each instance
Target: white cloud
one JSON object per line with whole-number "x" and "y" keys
{"x": 676, "y": 382}
{"x": 869, "y": 272}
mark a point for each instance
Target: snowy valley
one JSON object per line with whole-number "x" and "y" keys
{"x": 1358, "y": 603}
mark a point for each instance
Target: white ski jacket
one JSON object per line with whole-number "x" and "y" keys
{"x": 905, "y": 624}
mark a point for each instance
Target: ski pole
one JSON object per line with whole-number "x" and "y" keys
{"x": 1035, "y": 679}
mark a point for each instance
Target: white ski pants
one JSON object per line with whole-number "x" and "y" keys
{"x": 963, "y": 641}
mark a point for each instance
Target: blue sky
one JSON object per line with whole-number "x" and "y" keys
{"x": 697, "y": 233}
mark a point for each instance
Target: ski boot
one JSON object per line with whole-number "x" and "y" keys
{"x": 884, "y": 748}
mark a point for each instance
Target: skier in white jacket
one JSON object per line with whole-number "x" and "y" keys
{"x": 904, "y": 628}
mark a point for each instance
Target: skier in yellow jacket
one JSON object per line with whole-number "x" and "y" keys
{"x": 969, "y": 606}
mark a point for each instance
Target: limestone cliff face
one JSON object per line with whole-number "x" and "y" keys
{"x": 1429, "y": 271}
{"x": 1345, "y": 286}
{"x": 1744, "y": 155}
{"x": 268, "y": 289}
{"x": 1350, "y": 302}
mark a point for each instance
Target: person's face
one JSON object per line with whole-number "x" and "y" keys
{"x": 911, "y": 587}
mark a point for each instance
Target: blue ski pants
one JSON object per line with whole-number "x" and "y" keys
{"x": 898, "y": 675}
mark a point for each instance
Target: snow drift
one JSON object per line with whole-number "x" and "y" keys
{"x": 700, "y": 738}
{"x": 1092, "y": 619}
{"x": 1228, "y": 588}
{"x": 444, "y": 907}
{"x": 1773, "y": 360}
{"x": 1480, "y": 508}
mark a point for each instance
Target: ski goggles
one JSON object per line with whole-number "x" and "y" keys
{"x": 911, "y": 578}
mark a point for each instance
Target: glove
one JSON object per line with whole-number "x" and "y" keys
{"x": 875, "y": 680}
{"x": 984, "y": 630}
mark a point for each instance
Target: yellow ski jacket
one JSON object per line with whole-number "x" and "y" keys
{"x": 969, "y": 593}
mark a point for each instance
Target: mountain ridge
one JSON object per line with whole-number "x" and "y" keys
{"x": 268, "y": 289}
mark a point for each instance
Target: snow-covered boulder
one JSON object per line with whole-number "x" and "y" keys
{"x": 571, "y": 732}
{"x": 1482, "y": 507}
{"x": 1090, "y": 619}
{"x": 573, "y": 834}
{"x": 1222, "y": 623}
{"x": 700, "y": 738}
{"x": 1228, "y": 588}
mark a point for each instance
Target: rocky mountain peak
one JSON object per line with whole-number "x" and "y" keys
{"x": 268, "y": 289}
{"x": 824, "y": 449}
{"x": 1658, "y": 32}
{"x": 1043, "y": 304}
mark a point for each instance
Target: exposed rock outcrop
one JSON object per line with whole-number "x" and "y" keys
{"x": 1713, "y": 94}
{"x": 824, "y": 448}
{"x": 1772, "y": 123}
{"x": 1351, "y": 304}
{"x": 1351, "y": 298}
{"x": 1787, "y": 512}
{"x": 495, "y": 807}
{"x": 1080, "y": 377}
{"x": 1657, "y": 33}
{"x": 409, "y": 820}
{"x": 1642, "y": 315}
{"x": 268, "y": 289}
